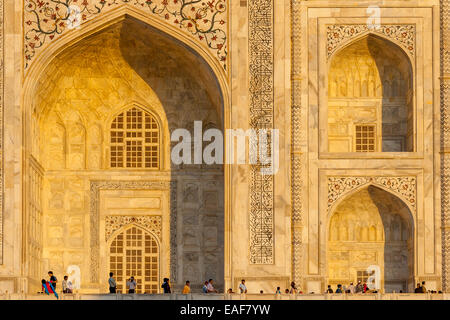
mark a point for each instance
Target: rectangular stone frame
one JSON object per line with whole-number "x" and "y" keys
{"x": 306, "y": 161}
{"x": 96, "y": 232}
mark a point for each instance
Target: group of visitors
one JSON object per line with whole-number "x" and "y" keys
{"x": 131, "y": 284}
{"x": 243, "y": 289}
{"x": 49, "y": 287}
{"x": 359, "y": 288}
{"x": 208, "y": 287}
{"x": 422, "y": 289}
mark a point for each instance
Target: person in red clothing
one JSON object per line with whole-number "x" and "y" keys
{"x": 365, "y": 287}
{"x": 47, "y": 288}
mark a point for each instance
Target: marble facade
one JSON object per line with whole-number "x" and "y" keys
{"x": 314, "y": 70}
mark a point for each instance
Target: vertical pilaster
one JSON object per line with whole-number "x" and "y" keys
{"x": 445, "y": 141}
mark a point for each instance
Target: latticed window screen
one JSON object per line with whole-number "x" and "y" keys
{"x": 135, "y": 140}
{"x": 362, "y": 276}
{"x": 135, "y": 253}
{"x": 365, "y": 138}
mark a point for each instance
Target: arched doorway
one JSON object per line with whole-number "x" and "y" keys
{"x": 371, "y": 229}
{"x": 134, "y": 252}
{"x": 124, "y": 70}
{"x": 370, "y": 98}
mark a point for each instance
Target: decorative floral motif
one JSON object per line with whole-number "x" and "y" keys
{"x": 204, "y": 20}
{"x": 151, "y": 223}
{"x": 403, "y": 34}
{"x": 402, "y": 186}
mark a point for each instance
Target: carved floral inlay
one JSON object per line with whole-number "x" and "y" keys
{"x": 402, "y": 186}
{"x": 402, "y": 34}
{"x": 151, "y": 223}
{"x": 206, "y": 21}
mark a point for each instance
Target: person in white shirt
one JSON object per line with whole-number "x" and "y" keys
{"x": 67, "y": 285}
{"x": 210, "y": 287}
{"x": 131, "y": 284}
{"x": 351, "y": 288}
{"x": 242, "y": 287}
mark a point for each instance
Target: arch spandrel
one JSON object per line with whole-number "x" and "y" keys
{"x": 339, "y": 188}
{"x": 341, "y": 36}
{"x": 206, "y": 23}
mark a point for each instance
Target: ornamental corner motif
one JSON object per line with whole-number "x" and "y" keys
{"x": 404, "y": 187}
{"x": 205, "y": 21}
{"x": 150, "y": 223}
{"x": 401, "y": 34}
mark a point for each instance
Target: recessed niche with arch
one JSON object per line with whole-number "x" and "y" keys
{"x": 371, "y": 227}
{"x": 128, "y": 80}
{"x": 370, "y": 98}
{"x": 134, "y": 252}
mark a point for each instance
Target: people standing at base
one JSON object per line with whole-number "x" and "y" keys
{"x": 131, "y": 284}
{"x": 359, "y": 287}
{"x": 112, "y": 283}
{"x": 278, "y": 290}
{"x": 339, "y": 288}
{"x": 48, "y": 288}
{"x": 424, "y": 289}
{"x": 286, "y": 291}
{"x": 210, "y": 287}
{"x": 418, "y": 289}
{"x": 230, "y": 291}
{"x": 53, "y": 279}
{"x": 67, "y": 285}
{"x": 365, "y": 287}
{"x": 205, "y": 287}
{"x": 166, "y": 285}
{"x": 187, "y": 288}
{"x": 329, "y": 290}
{"x": 293, "y": 288}
{"x": 242, "y": 287}
{"x": 351, "y": 288}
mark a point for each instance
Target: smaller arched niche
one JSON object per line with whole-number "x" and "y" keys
{"x": 371, "y": 227}
{"x": 134, "y": 252}
{"x": 370, "y": 98}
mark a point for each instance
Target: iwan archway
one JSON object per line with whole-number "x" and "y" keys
{"x": 371, "y": 98}
{"x": 99, "y": 110}
{"x": 371, "y": 230}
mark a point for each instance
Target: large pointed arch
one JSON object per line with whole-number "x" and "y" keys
{"x": 91, "y": 29}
